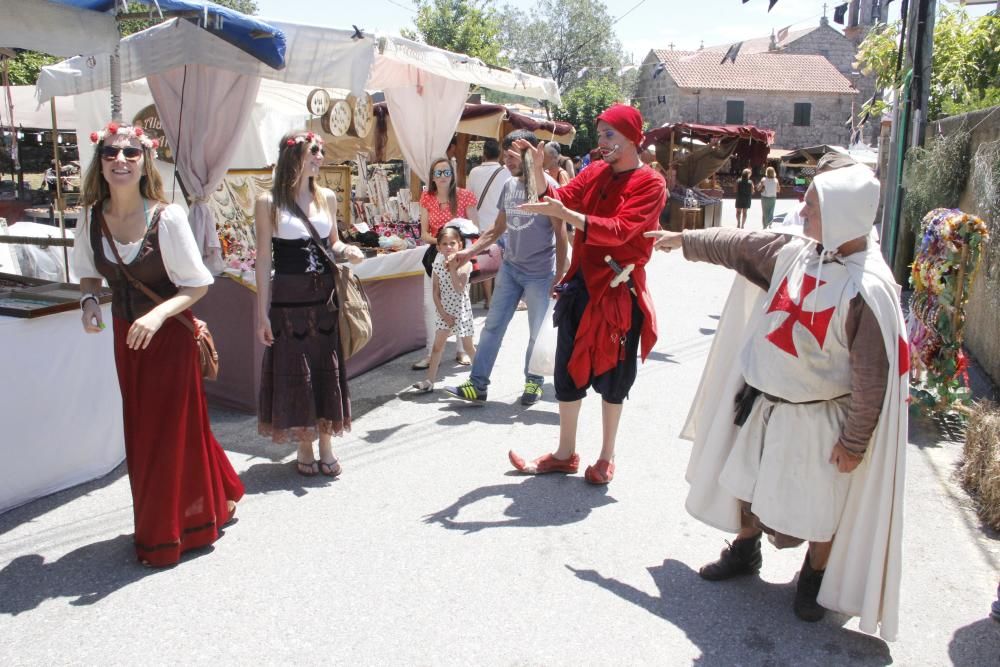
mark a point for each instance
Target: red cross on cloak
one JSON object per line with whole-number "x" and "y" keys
{"x": 817, "y": 323}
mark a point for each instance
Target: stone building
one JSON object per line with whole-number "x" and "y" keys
{"x": 800, "y": 83}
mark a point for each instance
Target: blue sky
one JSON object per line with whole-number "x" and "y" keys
{"x": 651, "y": 24}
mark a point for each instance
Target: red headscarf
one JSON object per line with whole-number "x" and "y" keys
{"x": 627, "y": 120}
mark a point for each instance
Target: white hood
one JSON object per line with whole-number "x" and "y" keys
{"x": 848, "y": 200}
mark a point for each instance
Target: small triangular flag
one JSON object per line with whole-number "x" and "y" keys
{"x": 783, "y": 32}
{"x": 734, "y": 49}
{"x": 771, "y": 4}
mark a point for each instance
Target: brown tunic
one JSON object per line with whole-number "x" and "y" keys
{"x": 127, "y": 302}
{"x": 753, "y": 256}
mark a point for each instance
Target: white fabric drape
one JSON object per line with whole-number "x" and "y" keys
{"x": 425, "y": 111}
{"x": 216, "y": 110}
{"x": 56, "y": 29}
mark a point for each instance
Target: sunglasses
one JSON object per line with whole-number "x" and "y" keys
{"x": 316, "y": 149}
{"x": 131, "y": 153}
{"x": 442, "y": 173}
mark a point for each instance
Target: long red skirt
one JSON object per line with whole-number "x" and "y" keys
{"x": 180, "y": 476}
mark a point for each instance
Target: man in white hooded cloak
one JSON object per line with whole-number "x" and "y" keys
{"x": 811, "y": 347}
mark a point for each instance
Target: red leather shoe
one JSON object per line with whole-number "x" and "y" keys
{"x": 545, "y": 464}
{"x": 601, "y": 472}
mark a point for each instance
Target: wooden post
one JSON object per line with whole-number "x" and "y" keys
{"x": 59, "y": 197}
{"x": 461, "y": 151}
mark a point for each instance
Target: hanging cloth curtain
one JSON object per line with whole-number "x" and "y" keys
{"x": 425, "y": 110}
{"x": 204, "y": 111}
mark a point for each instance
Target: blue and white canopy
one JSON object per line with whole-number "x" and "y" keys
{"x": 89, "y": 27}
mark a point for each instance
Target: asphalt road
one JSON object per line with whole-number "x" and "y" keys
{"x": 428, "y": 550}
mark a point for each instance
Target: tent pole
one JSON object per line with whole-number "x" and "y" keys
{"x": 116, "y": 86}
{"x": 59, "y": 197}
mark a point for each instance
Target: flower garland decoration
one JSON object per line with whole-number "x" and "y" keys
{"x": 308, "y": 137}
{"x": 119, "y": 130}
{"x": 942, "y": 275}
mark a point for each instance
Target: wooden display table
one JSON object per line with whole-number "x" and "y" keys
{"x": 691, "y": 218}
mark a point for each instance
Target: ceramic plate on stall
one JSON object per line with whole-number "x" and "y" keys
{"x": 337, "y": 121}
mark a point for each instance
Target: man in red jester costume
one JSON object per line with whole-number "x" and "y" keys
{"x": 605, "y": 313}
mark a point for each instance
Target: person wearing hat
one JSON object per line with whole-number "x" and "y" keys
{"x": 602, "y": 329}
{"x": 812, "y": 349}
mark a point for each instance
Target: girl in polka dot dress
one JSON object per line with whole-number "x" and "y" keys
{"x": 450, "y": 288}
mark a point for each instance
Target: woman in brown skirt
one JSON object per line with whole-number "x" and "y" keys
{"x": 303, "y": 385}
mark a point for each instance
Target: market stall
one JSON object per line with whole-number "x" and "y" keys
{"x": 324, "y": 86}
{"x": 62, "y": 411}
{"x": 692, "y": 155}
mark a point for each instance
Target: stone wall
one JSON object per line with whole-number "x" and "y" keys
{"x": 769, "y": 110}
{"x": 983, "y": 310}
{"x": 841, "y": 52}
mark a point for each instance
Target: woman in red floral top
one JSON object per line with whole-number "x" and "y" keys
{"x": 441, "y": 202}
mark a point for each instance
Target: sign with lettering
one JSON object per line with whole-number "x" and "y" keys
{"x": 149, "y": 120}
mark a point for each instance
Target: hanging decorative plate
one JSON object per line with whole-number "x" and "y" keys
{"x": 364, "y": 117}
{"x": 337, "y": 120}
{"x": 318, "y": 102}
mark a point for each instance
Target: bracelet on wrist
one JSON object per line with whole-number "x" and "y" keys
{"x": 86, "y": 297}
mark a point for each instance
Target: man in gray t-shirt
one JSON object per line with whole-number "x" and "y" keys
{"x": 535, "y": 259}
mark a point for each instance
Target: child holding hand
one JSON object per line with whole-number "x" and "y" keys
{"x": 450, "y": 289}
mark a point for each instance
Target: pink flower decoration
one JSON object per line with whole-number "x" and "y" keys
{"x": 137, "y": 131}
{"x": 94, "y": 137}
{"x": 156, "y": 144}
{"x": 113, "y": 128}
{"x": 290, "y": 142}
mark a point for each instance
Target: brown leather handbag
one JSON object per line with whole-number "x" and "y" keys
{"x": 208, "y": 356}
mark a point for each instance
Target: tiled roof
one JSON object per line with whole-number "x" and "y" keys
{"x": 763, "y": 44}
{"x": 754, "y": 71}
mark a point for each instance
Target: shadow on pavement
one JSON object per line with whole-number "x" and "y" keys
{"x": 662, "y": 356}
{"x": 536, "y": 501}
{"x": 745, "y": 621}
{"x": 11, "y": 519}
{"x": 90, "y": 574}
{"x": 976, "y": 644}
{"x": 267, "y": 477}
{"x": 460, "y": 413}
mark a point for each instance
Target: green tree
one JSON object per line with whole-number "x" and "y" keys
{"x": 464, "y": 26}
{"x": 25, "y": 67}
{"x": 965, "y": 66}
{"x": 581, "y": 106}
{"x": 569, "y": 41}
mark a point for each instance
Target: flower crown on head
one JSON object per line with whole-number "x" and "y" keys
{"x": 308, "y": 137}
{"x": 120, "y": 130}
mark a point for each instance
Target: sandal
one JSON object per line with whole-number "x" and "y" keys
{"x": 601, "y": 472}
{"x": 307, "y": 469}
{"x": 463, "y": 360}
{"x": 421, "y": 365}
{"x": 423, "y": 387}
{"x": 331, "y": 469}
{"x": 544, "y": 464}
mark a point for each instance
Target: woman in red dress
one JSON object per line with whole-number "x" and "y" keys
{"x": 440, "y": 203}
{"x": 183, "y": 487}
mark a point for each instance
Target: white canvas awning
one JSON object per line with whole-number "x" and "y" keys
{"x": 398, "y": 54}
{"x": 321, "y": 57}
{"x": 57, "y": 29}
{"x": 28, "y": 113}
